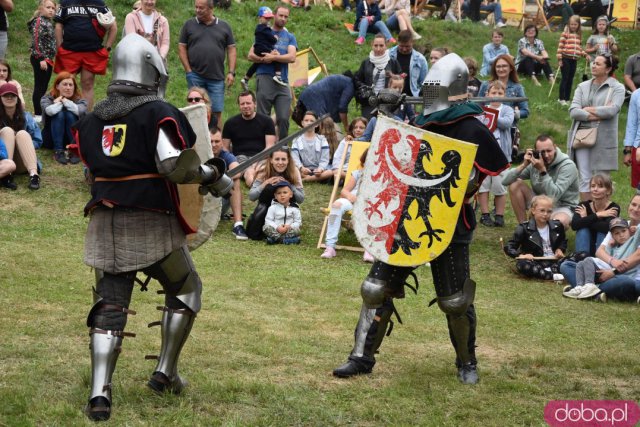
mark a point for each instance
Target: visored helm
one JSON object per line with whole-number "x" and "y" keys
{"x": 138, "y": 68}
{"x": 446, "y": 84}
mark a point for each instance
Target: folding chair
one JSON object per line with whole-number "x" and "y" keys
{"x": 357, "y": 148}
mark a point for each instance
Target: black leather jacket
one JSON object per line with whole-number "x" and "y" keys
{"x": 527, "y": 240}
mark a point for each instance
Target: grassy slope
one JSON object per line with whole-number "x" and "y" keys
{"x": 276, "y": 321}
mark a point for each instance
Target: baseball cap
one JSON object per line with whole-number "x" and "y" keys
{"x": 8, "y": 88}
{"x": 265, "y": 12}
{"x": 283, "y": 183}
{"x": 615, "y": 223}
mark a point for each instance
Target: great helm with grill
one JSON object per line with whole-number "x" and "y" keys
{"x": 446, "y": 84}
{"x": 138, "y": 68}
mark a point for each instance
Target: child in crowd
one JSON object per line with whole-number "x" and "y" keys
{"x": 283, "y": 221}
{"x": 491, "y": 51}
{"x": 601, "y": 42}
{"x": 310, "y": 152}
{"x": 474, "y": 82}
{"x": 404, "y": 113}
{"x": 493, "y": 184}
{"x": 586, "y": 270}
{"x": 437, "y": 53}
{"x": 354, "y": 133}
{"x": 264, "y": 42}
{"x": 569, "y": 51}
{"x": 327, "y": 128}
{"x": 338, "y": 209}
{"x": 537, "y": 244}
{"x": 43, "y": 51}
{"x": 591, "y": 217}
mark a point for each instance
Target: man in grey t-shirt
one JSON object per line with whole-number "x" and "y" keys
{"x": 204, "y": 40}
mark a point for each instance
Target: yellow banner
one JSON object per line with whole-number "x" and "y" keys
{"x": 626, "y": 12}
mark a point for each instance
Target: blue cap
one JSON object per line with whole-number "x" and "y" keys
{"x": 265, "y": 12}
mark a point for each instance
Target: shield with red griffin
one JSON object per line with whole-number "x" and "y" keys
{"x": 411, "y": 192}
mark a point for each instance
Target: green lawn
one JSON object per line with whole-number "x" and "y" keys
{"x": 276, "y": 320}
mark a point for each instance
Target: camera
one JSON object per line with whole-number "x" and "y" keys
{"x": 536, "y": 154}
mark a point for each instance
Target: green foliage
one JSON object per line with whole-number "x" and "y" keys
{"x": 276, "y": 320}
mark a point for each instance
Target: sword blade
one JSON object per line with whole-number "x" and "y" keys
{"x": 275, "y": 147}
{"x": 418, "y": 100}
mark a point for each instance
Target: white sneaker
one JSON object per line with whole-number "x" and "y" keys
{"x": 574, "y": 292}
{"x": 500, "y": 24}
{"x": 590, "y": 290}
{"x": 329, "y": 252}
{"x": 37, "y": 118}
{"x": 558, "y": 278}
{"x": 278, "y": 80}
{"x": 485, "y": 23}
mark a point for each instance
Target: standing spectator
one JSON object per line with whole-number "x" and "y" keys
{"x": 204, "y": 40}
{"x": 632, "y": 72}
{"x": 150, "y": 24}
{"x": 569, "y": 51}
{"x": 5, "y": 6}
{"x": 491, "y": 51}
{"x": 412, "y": 63}
{"x": 596, "y": 104}
{"x": 270, "y": 93}
{"x": 79, "y": 36}
{"x": 62, "y": 107}
{"x": 330, "y": 95}
{"x": 369, "y": 20}
{"x": 399, "y": 16}
{"x": 532, "y": 56}
{"x": 43, "y": 51}
{"x": 20, "y": 133}
{"x": 552, "y": 173}
{"x": 632, "y": 138}
{"x": 601, "y": 42}
{"x": 374, "y": 72}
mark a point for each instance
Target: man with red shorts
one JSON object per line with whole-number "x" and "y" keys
{"x": 80, "y": 29}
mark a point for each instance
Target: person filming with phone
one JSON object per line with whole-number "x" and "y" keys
{"x": 552, "y": 173}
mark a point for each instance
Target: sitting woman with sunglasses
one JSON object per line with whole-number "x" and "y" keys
{"x": 21, "y": 134}
{"x": 198, "y": 95}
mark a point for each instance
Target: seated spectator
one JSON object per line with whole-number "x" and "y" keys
{"x": 587, "y": 270}
{"x": 62, "y": 107}
{"x": 279, "y": 167}
{"x": 399, "y": 16}
{"x": 198, "y": 95}
{"x": 330, "y": 95}
{"x": 623, "y": 281}
{"x": 6, "y": 77}
{"x": 474, "y": 82}
{"x": 551, "y": 173}
{"x": 339, "y": 208}
{"x": 558, "y": 8}
{"x": 355, "y": 133}
{"x": 327, "y": 128}
{"x": 19, "y": 132}
{"x": 310, "y": 152}
{"x": 532, "y": 57}
{"x": 7, "y": 167}
{"x": 491, "y": 51}
{"x": 592, "y": 217}
{"x": 540, "y": 237}
{"x": 283, "y": 221}
{"x": 632, "y": 72}
{"x": 493, "y": 184}
{"x": 504, "y": 69}
{"x": 490, "y": 7}
{"x": 369, "y": 20}
{"x": 235, "y": 200}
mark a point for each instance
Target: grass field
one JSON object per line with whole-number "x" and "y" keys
{"x": 276, "y": 320}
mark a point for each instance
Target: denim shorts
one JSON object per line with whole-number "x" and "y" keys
{"x": 215, "y": 89}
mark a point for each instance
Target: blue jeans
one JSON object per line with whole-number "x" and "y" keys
{"x": 585, "y": 240}
{"x": 621, "y": 287}
{"x": 215, "y": 89}
{"x": 392, "y": 22}
{"x": 61, "y": 128}
{"x": 376, "y": 27}
{"x": 495, "y": 8}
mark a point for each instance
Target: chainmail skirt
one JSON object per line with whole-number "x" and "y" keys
{"x": 122, "y": 240}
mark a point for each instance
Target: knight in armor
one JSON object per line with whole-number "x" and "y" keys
{"x": 138, "y": 147}
{"x": 448, "y": 112}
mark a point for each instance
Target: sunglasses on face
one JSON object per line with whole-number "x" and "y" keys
{"x": 195, "y": 99}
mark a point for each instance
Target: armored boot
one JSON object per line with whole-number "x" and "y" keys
{"x": 175, "y": 328}
{"x": 105, "y": 347}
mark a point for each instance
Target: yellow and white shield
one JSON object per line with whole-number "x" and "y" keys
{"x": 411, "y": 192}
